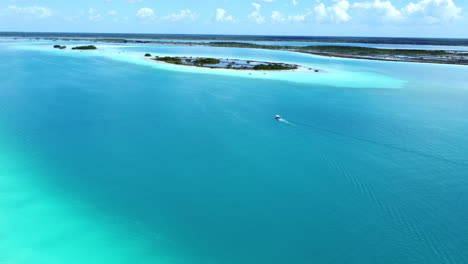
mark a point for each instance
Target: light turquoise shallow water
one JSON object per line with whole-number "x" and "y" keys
{"x": 107, "y": 158}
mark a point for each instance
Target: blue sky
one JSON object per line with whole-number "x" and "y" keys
{"x": 415, "y": 18}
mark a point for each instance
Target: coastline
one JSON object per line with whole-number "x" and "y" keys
{"x": 374, "y": 58}
{"x": 456, "y": 58}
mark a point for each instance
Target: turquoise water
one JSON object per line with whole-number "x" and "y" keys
{"x": 107, "y": 158}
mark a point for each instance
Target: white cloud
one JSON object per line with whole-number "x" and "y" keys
{"x": 384, "y": 10}
{"x": 269, "y": 1}
{"x": 112, "y": 13}
{"x": 185, "y": 14}
{"x": 295, "y": 2}
{"x": 277, "y": 16}
{"x": 337, "y": 12}
{"x": 145, "y": 13}
{"x": 426, "y": 11}
{"x": 320, "y": 11}
{"x": 255, "y": 15}
{"x": 223, "y": 16}
{"x": 433, "y": 10}
{"x": 94, "y": 15}
{"x": 371, "y": 11}
{"x": 135, "y": 1}
{"x": 29, "y": 11}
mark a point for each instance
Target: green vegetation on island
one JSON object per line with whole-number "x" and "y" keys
{"x": 59, "y": 47}
{"x": 272, "y": 67}
{"x": 241, "y": 45}
{"x": 203, "y": 61}
{"x": 344, "y": 50}
{"x": 372, "y": 51}
{"x": 409, "y": 55}
{"x": 172, "y": 60}
{"x": 227, "y": 63}
{"x": 147, "y": 55}
{"x": 88, "y": 47}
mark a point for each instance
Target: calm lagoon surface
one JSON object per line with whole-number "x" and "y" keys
{"x": 106, "y": 157}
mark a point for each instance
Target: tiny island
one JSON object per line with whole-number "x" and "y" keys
{"x": 233, "y": 64}
{"x": 59, "y": 47}
{"x": 88, "y": 47}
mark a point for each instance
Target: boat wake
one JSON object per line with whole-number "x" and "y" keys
{"x": 286, "y": 122}
{"x": 374, "y": 142}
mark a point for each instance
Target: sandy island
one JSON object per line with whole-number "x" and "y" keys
{"x": 230, "y": 64}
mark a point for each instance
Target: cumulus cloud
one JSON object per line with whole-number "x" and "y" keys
{"x": 429, "y": 11}
{"x": 145, "y": 13}
{"x": 29, "y": 11}
{"x": 277, "y": 16}
{"x": 295, "y": 2}
{"x": 185, "y": 14}
{"x": 223, "y": 16}
{"x": 433, "y": 10}
{"x": 255, "y": 15}
{"x": 384, "y": 9}
{"x": 337, "y": 13}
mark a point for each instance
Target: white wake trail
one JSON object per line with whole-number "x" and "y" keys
{"x": 286, "y": 121}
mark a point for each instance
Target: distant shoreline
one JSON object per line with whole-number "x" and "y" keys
{"x": 221, "y": 37}
{"x": 349, "y": 52}
{"x": 390, "y": 59}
